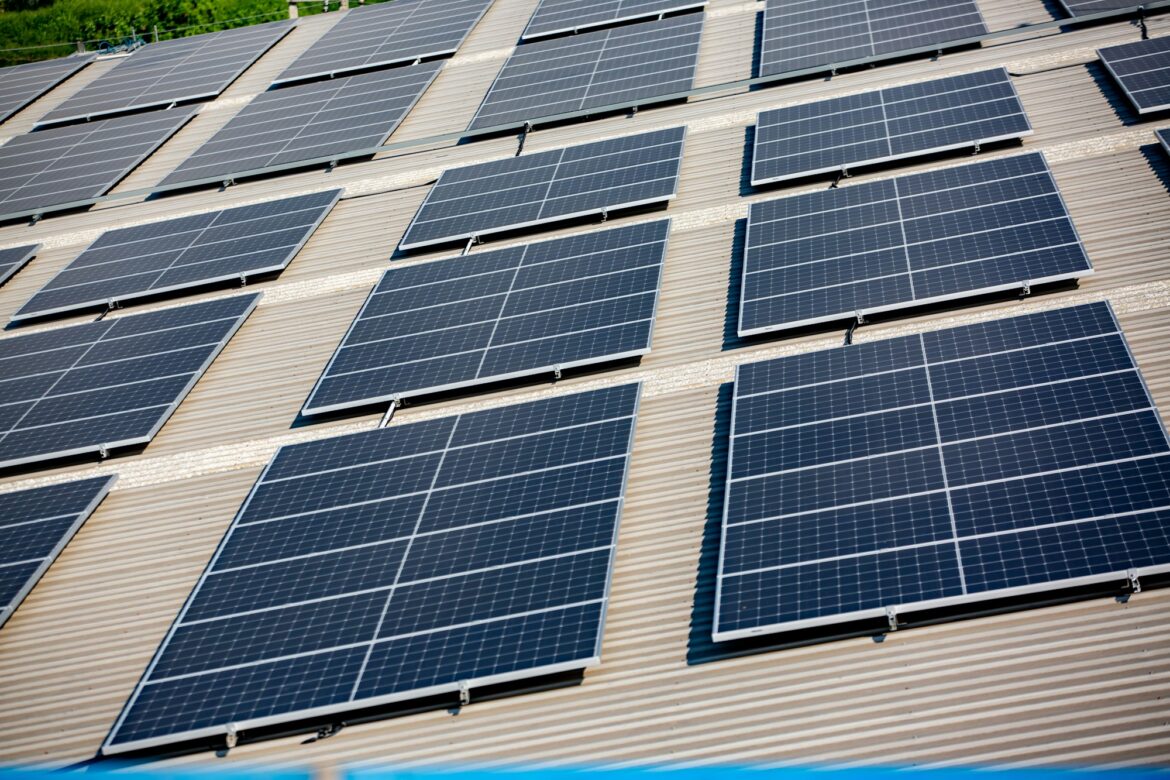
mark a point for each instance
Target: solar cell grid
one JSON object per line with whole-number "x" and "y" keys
{"x": 496, "y": 315}
{"x": 889, "y": 124}
{"x": 160, "y": 257}
{"x": 1142, "y": 68}
{"x": 160, "y": 74}
{"x": 386, "y": 34}
{"x": 397, "y": 563}
{"x": 50, "y": 169}
{"x": 1008, "y": 457}
{"x": 35, "y": 525}
{"x": 560, "y": 184}
{"x": 561, "y": 16}
{"x": 106, "y": 384}
{"x": 22, "y": 84}
{"x": 895, "y": 243}
{"x": 14, "y": 258}
{"x": 800, "y": 34}
{"x": 308, "y": 123}
{"x": 622, "y": 67}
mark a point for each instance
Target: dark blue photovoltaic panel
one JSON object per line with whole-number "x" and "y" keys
{"x": 181, "y": 69}
{"x": 35, "y": 525}
{"x": 22, "y": 84}
{"x": 562, "y": 16}
{"x": 106, "y": 384}
{"x": 896, "y": 243}
{"x": 487, "y": 316}
{"x": 548, "y": 186}
{"x": 960, "y": 465}
{"x": 1142, "y": 68}
{"x": 385, "y": 34}
{"x": 622, "y": 67}
{"x": 186, "y": 252}
{"x": 64, "y": 165}
{"x": 888, "y": 124}
{"x": 801, "y": 34}
{"x": 1164, "y": 139}
{"x": 15, "y": 258}
{"x": 396, "y": 564}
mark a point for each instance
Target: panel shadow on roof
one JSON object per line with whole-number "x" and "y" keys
{"x": 22, "y": 84}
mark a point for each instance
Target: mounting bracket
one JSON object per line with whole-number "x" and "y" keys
{"x": 472, "y": 241}
{"x": 243, "y": 280}
{"x": 389, "y": 415}
{"x": 464, "y": 693}
{"x": 976, "y": 148}
{"x": 556, "y": 372}
{"x": 892, "y": 618}
{"x": 1025, "y": 288}
{"x": 228, "y": 182}
{"x": 1134, "y": 583}
{"x": 232, "y": 738}
{"x": 103, "y": 451}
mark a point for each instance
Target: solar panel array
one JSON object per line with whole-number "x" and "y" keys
{"x": 159, "y": 74}
{"x": 22, "y": 84}
{"x": 625, "y": 66}
{"x": 1164, "y": 139}
{"x": 1013, "y": 456}
{"x": 894, "y": 243}
{"x": 180, "y": 253}
{"x": 888, "y": 124}
{"x": 397, "y": 563}
{"x": 106, "y": 384}
{"x": 14, "y": 258}
{"x": 35, "y": 525}
{"x": 386, "y": 34}
{"x": 1142, "y": 68}
{"x": 524, "y": 310}
{"x": 564, "y": 16}
{"x": 310, "y": 122}
{"x": 801, "y": 34}
{"x": 63, "y": 165}
{"x": 534, "y": 189}
{"x": 1082, "y": 7}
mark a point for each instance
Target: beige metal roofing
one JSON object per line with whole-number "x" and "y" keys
{"x": 1087, "y": 682}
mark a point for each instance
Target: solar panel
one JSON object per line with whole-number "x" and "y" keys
{"x": 896, "y": 243}
{"x": 888, "y": 124}
{"x": 1142, "y": 68}
{"x": 563, "y": 16}
{"x": 308, "y": 123}
{"x": 179, "y": 70}
{"x": 52, "y": 169}
{"x": 1164, "y": 139}
{"x": 181, "y": 253}
{"x": 106, "y": 384}
{"x": 519, "y": 311}
{"x": 396, "y": 564}
{"x": 534, "y": 189}
{"x": 35, "y": 525}
{"x": 1011, "y": 457}
{"x": 625, "y": 66}
{"x": 387, "y": 34}
{"x": 801, "y": 34}
{"x": 15, "y": 258}
{"x": 22, "y": 84}
{"x": 1081, "y": 7}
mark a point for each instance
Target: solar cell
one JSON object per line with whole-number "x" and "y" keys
{"x": 106, "y": 384}
{"x": 35, "y": 525}
{"x": 309, "y": 123}
{"x": 1082, "y": 7}
{"x": 559, "y": 184}
{"x": 1142, "y": 68}
{"x": 888, "y": 124}
{"x": 563, "y": 16}
{"x": 14, "y": 258}
{"x": 512, "y": 312}
{"x": 1009, "y": 457}
{"x": 895, "y": 243}
{"x": 22, "y": 84}
{"x": 161, "y": 74}
{"x": 625, "y": 66}
{"x": 180, "y": 253}
{"x": 399, "y": 563}
{"x": 50, "y": 169}
{"x": 386, "y": 34}
{"x": 800, "y": 34}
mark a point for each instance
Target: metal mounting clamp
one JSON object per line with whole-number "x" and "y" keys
{"x": 232, "y": 737}
{"x": 557, "y": 371}
{"x": 389, "y": 415}
{"x": 1135, "y": 584}
{"x": 1025, "y": 288}
{"x": 103, "y": 451}
{"x": 464, "y": 693}
{"x": 470, "y": 243}
{"x": 892, "y": 618}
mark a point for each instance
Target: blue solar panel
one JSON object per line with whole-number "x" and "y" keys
{"x": 895, "y": 243}
{"x": 524, "y": 310}
{"x": 551, "y": 186}
{"x": 1142, "y": 68}
{"x": 396, "y": 564}
{"x": 22, "y": 84}
{"x": 956, "y": 466}
{"x": 888, "y": 124}
{"x": 14, "y": 258}
{"x": 1082, "y": 7}
{"x": 562, "y": 16}
{"x": 35, "y": 525}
